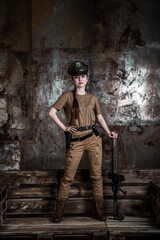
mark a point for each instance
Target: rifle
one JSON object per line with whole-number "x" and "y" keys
{"x": 116, "y": 182}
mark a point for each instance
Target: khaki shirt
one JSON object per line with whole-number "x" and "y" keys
{"x": 88, "y": 104}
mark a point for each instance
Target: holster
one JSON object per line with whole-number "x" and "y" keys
{"x": 95, "y": 130}
{"x": 68, "y": 139}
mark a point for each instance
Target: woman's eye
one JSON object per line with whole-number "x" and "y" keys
{"x": 83, "y": 76}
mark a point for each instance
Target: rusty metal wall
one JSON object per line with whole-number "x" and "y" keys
{"x": 118, "y": 39}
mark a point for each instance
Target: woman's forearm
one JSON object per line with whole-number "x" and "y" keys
{"x": 52, "y": 114}
{"x": 103, "y": 123}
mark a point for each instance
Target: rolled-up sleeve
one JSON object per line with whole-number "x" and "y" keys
{"x": 61, "y": 102}
{"x": 97, "y": 108}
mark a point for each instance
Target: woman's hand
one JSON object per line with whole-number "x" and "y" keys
{"x": 71, "y": 129}
{"x": 113, "y": 135}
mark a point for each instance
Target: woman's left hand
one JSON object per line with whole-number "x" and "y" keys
{"x": 113, "y": 135}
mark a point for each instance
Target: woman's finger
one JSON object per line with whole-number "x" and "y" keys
{"x": 72, "y": 129}
{"x": 113, "y": 135}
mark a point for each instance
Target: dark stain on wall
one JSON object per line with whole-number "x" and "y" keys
{"x": 131, "y": 37}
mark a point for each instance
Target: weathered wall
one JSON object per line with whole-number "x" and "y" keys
{"x": 120, "y": 42}
{"x": 15, "y": 81}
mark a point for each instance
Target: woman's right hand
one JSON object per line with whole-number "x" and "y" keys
{"x": 71, "y": 129}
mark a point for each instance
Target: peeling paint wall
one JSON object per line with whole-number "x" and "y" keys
{"x": 118, "y": 39}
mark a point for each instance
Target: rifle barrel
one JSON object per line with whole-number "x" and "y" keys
{"x": 114, "y": 155}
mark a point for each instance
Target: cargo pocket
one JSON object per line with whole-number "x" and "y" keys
{"x": 69, "y": 154}
{"x": 98, "y": 151}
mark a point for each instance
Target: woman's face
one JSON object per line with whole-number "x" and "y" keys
{"x": 80, "y": 81}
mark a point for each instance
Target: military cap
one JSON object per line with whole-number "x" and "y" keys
{"x": 78, "y": 68}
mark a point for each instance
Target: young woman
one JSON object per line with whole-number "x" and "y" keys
{"x": 81, "y": 110}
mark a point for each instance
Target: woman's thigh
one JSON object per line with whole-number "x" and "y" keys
{"x": 94, "y": 154}
{"x": 73, "y": 157}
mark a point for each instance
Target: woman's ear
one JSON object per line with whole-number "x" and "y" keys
{"x": 72, "y": 79}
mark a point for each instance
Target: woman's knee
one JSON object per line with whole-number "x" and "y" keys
{"x": 68, "y": 178}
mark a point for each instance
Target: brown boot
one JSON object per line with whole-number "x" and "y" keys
{"x": 98, "y": 207}
{"x": 60, "y": 205}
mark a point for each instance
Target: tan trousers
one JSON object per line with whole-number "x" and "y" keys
{"x": 93, "y": 148}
